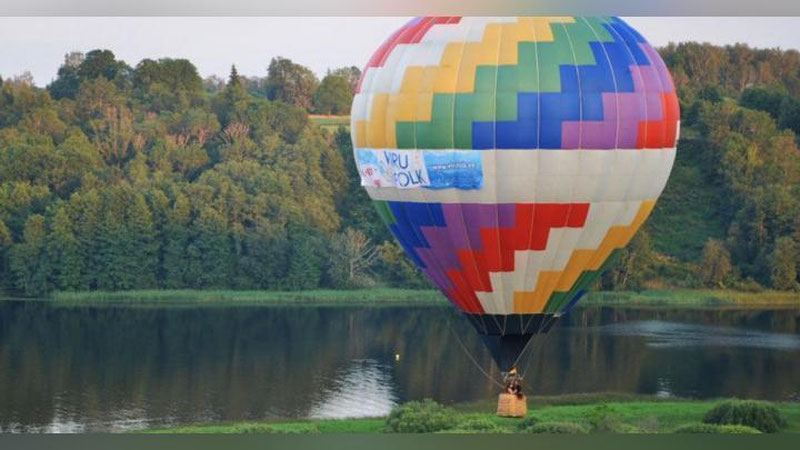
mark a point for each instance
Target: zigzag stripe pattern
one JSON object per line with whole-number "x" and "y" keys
{"x": 457, "y": 246}
{"x": 571, "y": 83}
{"x": 525, "y": 243}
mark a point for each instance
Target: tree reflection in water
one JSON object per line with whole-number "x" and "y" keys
{"x": 97, "y": 368}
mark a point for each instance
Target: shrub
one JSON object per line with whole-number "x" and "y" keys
{"x": 527, "y": 422}
{"x": 604, "y": 419}
{"x": 478, "y": 425}
{"x": 709, "y": 428}
{"x": 759, "y": 415}
{"x": 748, "y": 285}
{"x": 425, "y": 416}
{"x": 557, "y": 428}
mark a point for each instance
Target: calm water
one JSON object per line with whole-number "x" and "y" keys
{"x": 113, "y": 368}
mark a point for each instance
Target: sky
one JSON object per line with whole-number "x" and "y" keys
{"x": 38, "y": 44}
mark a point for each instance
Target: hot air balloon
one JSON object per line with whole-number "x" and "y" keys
{"x": 513, "y": 157}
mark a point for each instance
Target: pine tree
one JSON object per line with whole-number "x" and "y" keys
{"x": 63, "y": 251}
{"x": 175, "y": 265}
{"x": 28, "y": 265}
{"x": 233, "y": 78}
{"x": 142, "y": 243}
{"x": 211, "y": 250}
{"x": 306, "y": 263}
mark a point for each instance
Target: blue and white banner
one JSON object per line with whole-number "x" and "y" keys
{"x": 432, "y": 169}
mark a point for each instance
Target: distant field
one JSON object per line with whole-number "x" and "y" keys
{"x": 330, "y": 122}
{"x": 390, "y": 296}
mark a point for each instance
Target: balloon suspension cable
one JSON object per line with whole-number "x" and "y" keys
{"x": 528, "y": 344}
{"x": 471, "y": 358}
{"x": 541, "y": 345}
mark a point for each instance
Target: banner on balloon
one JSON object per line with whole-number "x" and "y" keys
{"x": 431, "y": 169}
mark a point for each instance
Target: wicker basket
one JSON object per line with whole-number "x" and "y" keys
{"x": 509, "y": 405}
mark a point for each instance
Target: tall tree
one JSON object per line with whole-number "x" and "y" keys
{"x": 290, "y": 83}
{"x": 352, "y": 255}
{"x": 333, "y": 96}
{"x": 783, "y": 264}
{"x": 63, "y": 252}
{"x": 716, "y": 264}
{"x": 27, "y": 261}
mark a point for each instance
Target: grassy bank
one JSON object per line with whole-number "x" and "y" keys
{"x": 378, "y": 296}
{"x": 634, "y": 414}
{"x": 391, "y": 297}
{"x": 693, "y": 298}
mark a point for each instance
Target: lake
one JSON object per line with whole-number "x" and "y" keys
{"x": 112, "y": 368}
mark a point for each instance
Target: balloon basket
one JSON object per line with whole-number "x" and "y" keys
{"x": 512, "y": 405}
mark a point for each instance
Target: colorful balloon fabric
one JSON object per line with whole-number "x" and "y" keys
{"x": 512, "y": 157}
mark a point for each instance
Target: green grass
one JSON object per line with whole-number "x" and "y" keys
{"x": 643, "y": 413}
{"x": 330, "y": 123}
{"x": 370, "y": 425}
{"x": 377, "y": 297}
{"x": 699, "y": 298}
{"x": 688, "y": 212}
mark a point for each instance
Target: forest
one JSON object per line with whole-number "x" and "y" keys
{"x": 115, "y": 177}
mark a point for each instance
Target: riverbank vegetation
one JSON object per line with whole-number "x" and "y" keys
{"x": 117, "y": 177}
{"x": 573, "y": 414}
{"x": 371, "y": 297}
{"x": 701, "y": 298}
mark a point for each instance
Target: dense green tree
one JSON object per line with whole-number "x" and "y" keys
{"x": 306, "y": 259}
{"x": 763, "y": 99}
{"x": 396, "y": 268}
{"x": 63, "y": 252}
{"x": 290, "y": 83}
{"x": 175, "y": 74}
{"x": 27, "y": 258}
{"x": 234, "y": 78}
{"x": 113, "y": 178}
{"x": 783, "y": 263}
{"x": 352, "y": 74}
{"x": 715, "y": 267}
{"x": 26, "y": 157}
{"x": 75, "y": 157}
{"x": 175, "y": 244}
{"x": 18, "y": 99}
{"x": 733, "y": 68}
{"x": 633, "y": 265}
{"x": 209, "y": 252}
{"x": 333, "y": 96}
{"x": 79, "y": 68}
{"x": 68, "y": 80}
{"x": 102, "y": 64}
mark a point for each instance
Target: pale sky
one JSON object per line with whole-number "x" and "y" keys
{"x": 38, "y": 44}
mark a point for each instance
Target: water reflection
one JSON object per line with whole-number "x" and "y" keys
{"x": 363, "y": 389}
{"x": 660, "y": 333}
{"x": 112, "y": 368}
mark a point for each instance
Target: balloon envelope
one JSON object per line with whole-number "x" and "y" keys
{"x": 512, "y": 157}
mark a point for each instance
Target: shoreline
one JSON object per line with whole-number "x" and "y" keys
{"x": 684, "y": 298}
{"x": 633, "y": 413}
